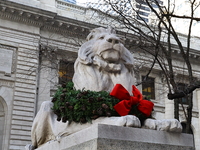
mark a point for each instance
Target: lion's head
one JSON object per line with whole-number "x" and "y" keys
{"x": 103, "y": 55}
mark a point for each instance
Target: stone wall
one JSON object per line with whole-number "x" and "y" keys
{"x": 19, "y": 79}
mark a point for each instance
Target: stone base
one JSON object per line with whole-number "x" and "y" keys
{"x": 107, "y": 137}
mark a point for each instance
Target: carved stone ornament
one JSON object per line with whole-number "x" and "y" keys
{"x": 102, "y": 62}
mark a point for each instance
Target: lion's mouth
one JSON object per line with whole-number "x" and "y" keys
{"x": 110, "y": 55}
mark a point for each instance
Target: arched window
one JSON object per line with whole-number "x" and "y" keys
{"x": 2, "y": 122}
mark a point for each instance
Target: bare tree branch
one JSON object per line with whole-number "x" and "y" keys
{"x": 184, "y": 93}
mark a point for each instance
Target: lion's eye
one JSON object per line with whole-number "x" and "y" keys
{"x": 102, "y": 37}
{"x": 90, "y": 37}
{"x": 116, "y": 41}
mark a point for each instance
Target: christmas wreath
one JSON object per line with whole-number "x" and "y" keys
{"x": 85, "y": 105}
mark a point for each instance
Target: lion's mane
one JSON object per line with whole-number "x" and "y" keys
{"x": 102, "y": 62}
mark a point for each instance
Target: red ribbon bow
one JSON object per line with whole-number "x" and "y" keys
{"x": 127, "y": 101}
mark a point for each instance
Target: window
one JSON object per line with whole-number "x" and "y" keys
{"x": 66, "y": 71}
{"x": 142, "y": 19}
{"x": 148, "y": 88}
{"x": 144, "y": 10}
{"x": 144, "y": 13}
{"x": 71, "y": 1}
{"x": 142, "y": 7}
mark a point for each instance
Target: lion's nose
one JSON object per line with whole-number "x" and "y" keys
{"x": 113, "y": 40}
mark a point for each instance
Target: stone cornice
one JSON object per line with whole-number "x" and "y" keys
{"x": 25, "y": 14}
{"x": 42, "y": 18}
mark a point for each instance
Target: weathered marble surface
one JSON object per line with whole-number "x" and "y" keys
{"x": 102, "y": 62}
{"x": 109, "y": 137}
{"x": 46, "y": 127}
{"x": 171, "y": 125}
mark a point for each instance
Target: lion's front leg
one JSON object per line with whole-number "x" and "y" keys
{"x": 171, "y": 125}
{"x": 132, "y": 121}
{"x": 127, "y": 121}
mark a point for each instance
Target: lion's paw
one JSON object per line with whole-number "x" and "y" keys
{"x": 127, "y": 121}
{"x": 29, "y": 147}
{"x": 132, "y": 121}
{"x": 171, "y": 125}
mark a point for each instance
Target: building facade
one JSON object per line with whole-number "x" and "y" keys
{"x": 39, "y": 41}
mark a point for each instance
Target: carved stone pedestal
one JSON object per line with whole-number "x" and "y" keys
{"x": 107, "y": 137}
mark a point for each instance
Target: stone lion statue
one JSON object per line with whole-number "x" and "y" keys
{"x": 102, "y": 62}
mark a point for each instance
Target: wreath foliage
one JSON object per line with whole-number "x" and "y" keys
{"x": 82, "y": 105}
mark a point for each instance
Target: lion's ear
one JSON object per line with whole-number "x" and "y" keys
{"x": 90, "y": 36}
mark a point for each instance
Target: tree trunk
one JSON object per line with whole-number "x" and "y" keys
{"x": 176, "y": 109}
{"x": 189, "y": 113}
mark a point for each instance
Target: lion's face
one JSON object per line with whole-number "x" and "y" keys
{"x": 105, "y": 50}
{"x": 107, "y": 46}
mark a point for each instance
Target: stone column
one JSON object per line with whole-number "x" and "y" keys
{"x": 198, "y": 99}
{"x": 197, "y": 136}
{"x": 169, "y": 108}
{"x": 44, "y": 82}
